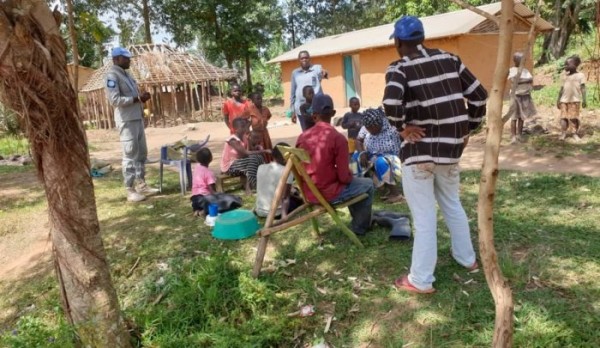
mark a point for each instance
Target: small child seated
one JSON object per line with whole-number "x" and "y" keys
{"x": 306, "y": 117}
{"x": 352, "y": 121}
{"x": 204, "y": 187}
{"x": 255, "y": 141}
{"x": 203, "y": 180}
{"x": 267, "y": 180}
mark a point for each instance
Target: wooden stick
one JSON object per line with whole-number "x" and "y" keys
{"x": 133, "y": 267}
{"x": 476, "y": 10}
{"x": 272, "y": 229}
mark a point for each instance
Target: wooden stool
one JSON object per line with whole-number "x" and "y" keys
{"x": 226, "y": 182}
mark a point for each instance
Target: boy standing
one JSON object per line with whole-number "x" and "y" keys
{"x": 352, "y": 121}
{"x": 329, "y": 167}
{"x": 523, "y": 103}
{"x": 571, "y": 97}
{"x": 306, "y": 112}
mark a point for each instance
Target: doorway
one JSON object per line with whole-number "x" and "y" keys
{"x": 351, "y": 76}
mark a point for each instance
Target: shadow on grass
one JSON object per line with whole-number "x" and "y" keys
{"x": 546, "y": 234}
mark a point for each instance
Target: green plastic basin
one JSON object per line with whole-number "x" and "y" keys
{"x": 236, "y": 224}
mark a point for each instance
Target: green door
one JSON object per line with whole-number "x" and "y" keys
{"x": 349, "y": 78}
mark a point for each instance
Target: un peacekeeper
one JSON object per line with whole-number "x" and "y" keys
{"x": 123, "y": 94}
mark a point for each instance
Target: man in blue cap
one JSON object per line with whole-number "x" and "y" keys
{"x": 329, "y": 167}
{"x": 123, "y": 94}
{"x": 435, "y": 102}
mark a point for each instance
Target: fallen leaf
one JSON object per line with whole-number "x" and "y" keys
{"x": 328, "y": 323}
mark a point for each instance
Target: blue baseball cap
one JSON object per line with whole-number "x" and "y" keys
{"x": 321, "y": 103}
{"x": 408, "y": 28}
{"x": 120, "y": 51}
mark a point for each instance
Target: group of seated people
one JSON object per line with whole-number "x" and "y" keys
{"x": 338, "y": 165}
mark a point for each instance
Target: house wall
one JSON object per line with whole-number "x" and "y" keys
{"x": 373, "y": 64}
{"x": 477, "y": 51}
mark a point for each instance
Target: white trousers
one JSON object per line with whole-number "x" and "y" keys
{"x": 423, "y": 185}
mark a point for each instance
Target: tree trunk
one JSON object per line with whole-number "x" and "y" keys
{"x": 292, "y": 29}
{"x": 565, "y": 21}
{"x": 34, "y": 82}
{"x": 248, "y": 74}
{"x": 567, "y": 25}
{"x": 499, "y": 287}
{"x": 146, "y": 16}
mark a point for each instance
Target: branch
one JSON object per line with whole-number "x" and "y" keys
{"x": 515, "y": 82}
{"x": 476, "y": 10}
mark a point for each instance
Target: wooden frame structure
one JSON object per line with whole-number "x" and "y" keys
{"x": 294, "y": 164}
{"x": 180, "y": 84}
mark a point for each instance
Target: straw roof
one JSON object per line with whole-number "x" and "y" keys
{"x": 154, "y": 64}
{"x": 436, "y": 27}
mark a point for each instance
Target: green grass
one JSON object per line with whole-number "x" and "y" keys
{"x": 13, "y": 145}
{"x": 190, "y": 290}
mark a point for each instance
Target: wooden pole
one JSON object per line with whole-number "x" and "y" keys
{"x": 191, "y": 96}
{"x": 499, "y": 287}
{"x": 174, "y": 98}
{"x": 154, "y": 110}
{"x": 186, "y": 101}
{"x": 208, "y": 95}
{"x": 162, "y": 105}
{"x": 95, "y": 110}
{"x": 200, "y": 101}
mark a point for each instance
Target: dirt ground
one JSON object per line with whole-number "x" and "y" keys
{"x": 19, "y": 252}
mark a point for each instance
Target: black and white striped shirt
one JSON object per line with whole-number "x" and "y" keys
{"x": 429, "y": 91}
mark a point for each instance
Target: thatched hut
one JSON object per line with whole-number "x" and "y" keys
{"x": 182, "y": 85}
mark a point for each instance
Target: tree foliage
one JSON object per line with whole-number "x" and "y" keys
{"x": 229, "y": 30}
{"x": 92, "y": 34}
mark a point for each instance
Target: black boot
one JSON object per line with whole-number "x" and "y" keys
{"x": 399, "y": 222}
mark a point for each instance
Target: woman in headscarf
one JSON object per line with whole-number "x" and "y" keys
{"x": 378, "y": 150}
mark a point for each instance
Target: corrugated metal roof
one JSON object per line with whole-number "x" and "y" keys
{"x": 436, "y": 27}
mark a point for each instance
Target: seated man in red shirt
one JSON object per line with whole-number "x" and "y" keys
{"x": 329, "y": 166}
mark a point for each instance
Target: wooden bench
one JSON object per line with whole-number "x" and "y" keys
{"x": 226, "y": 182}
{"x": 294, "y": 158}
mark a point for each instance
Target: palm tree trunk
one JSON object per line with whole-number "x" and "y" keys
{"x": 499, "y": 287}
{"x": 35, "y": 83}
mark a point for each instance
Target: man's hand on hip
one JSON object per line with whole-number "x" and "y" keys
{"x": 412, "y": 134}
